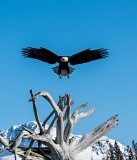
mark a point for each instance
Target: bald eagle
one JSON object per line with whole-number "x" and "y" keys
{"x": 63, "y": 69}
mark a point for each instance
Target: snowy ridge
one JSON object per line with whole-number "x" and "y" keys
{"x": 94, "y": 152}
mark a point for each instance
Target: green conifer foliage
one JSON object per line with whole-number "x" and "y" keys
{"x": 134, "y": 147}
{"x": 131, "y": 156}
{"x": 111, "y": 153}
{"x": 114, "y": 152}
{"x": 118, "y": 153}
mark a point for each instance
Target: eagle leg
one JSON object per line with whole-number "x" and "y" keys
{"x": 60, "y": 76}
{"x": 68, "y": 75}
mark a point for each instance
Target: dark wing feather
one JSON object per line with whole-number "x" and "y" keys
{"x": 40, "y": 54}
{"x": 87, "y": 56}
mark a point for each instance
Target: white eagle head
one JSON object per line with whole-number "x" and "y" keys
{"x": 64, "y": 59}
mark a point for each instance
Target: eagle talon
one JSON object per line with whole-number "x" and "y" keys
{"x": 60, "y": 76}
{"x": 68, "y": 75}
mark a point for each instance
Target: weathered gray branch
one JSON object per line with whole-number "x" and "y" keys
{"x": 42, "y": 151}
{"x": 45, "y": 121}
{"x": 52, "y": 125}
{"x": 15, "y": 153}
{"x": 94, "y": 135}
{"x": 36, "y": 113}
{"x": 60, "y": 123}
{"x": 74, "y": 119}
{"x": 29, "y": 150}
{"x": 48, "y": 97}
{"x": 19, "y": 139}
{"x": 34, "y": 156}
{"x": 4, "y": 141}
{"x": 79, "y": 108}
{"x": 61, "y": 99}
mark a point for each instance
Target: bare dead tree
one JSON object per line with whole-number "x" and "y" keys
{"x": 62, "y": 147}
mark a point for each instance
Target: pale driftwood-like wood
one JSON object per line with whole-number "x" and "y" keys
{"x": 36, "y": 113}
{"x": 96, "y": 134}
{"x": 62, "y": 147}
{"x": 5, "y": 142}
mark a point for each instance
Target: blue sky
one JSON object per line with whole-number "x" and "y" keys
{"x": 67, "y": 27}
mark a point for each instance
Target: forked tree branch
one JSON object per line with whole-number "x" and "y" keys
{"x": 74, "y": 119}
{"x": 96, "y": 134}
{"x": 48, "y": 97}
{"x": 45, "y": 121}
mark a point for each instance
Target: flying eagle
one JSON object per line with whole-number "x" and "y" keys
{"x": 63, "y": 69}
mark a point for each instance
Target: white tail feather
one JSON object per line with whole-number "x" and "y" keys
{"x": 63, "y": 71}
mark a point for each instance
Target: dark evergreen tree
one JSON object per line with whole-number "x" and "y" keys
{"x": 114, "y": 152}
{"x": 131, "y": 156}
{"x": 111, "y": 153}
{"x": 118, "y": 153}
{"x": 134, "y": 147}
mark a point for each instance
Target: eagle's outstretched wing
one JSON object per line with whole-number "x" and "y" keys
{"x": 87, "y": 56}
{"x": 40, "y": 54}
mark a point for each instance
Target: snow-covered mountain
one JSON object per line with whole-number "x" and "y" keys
{"x": 94, "y": 152}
